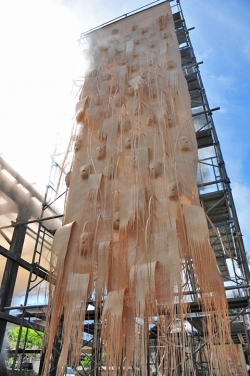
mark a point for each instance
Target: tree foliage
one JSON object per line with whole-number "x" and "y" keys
{"x": 34, "y": 339}
{"x": 86, "y": 363}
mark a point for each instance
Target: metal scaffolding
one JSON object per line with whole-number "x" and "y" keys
{"x": 225, "y": 238}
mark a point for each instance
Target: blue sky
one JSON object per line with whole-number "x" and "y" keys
{"x": 221, "y": 40}
{"x": 40, "y": 60}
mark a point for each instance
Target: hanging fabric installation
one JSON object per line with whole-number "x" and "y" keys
{"x": 133, "y": 227}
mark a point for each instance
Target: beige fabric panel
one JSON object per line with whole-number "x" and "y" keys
{"x": 74, "y": 315}
{"x": 139, "y": 231}
{"x": 60, "y": 246}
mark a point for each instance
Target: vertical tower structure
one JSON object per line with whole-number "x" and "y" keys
{"x": 212, "y": 179}
{"x": 134, "y": 233}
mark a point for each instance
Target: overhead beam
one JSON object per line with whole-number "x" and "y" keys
{"x": 34, "y": 193}
{"x": 16, "y": 194}
{"x": 38, "y": 220}
{"x": 17, "y": 321}
{"x": 8, "y": 207}
{"x": 44, "y": 274}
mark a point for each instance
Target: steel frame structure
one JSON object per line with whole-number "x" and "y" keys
{"x": 37, "y": 273}
{"x": 225, "y": 237}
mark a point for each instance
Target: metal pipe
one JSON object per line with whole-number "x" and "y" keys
{"x": 39, "y": 241}
{"x": 212, "y": 207}
{"x": 223, "y": 180}
{"x": 21, "y": 307}
{"x": 35, "y": 233}
{"x": 33, "y": 221}
{"x": 227, "y": 288}
{"x": 20, "y": 179}
{"x": 16, "y": 194}
{"x": 206, "y": 112}
{"x": 5, "y": 237}
{"x": 22, "y": 199}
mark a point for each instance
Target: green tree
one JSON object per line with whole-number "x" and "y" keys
{"x": 34, "y": 339}
{"x": 86, "y": 363}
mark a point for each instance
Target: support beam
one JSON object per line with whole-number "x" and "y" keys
{"x": 209, "y": 112}
{"x": 23, "y": 351}
{"x": 16, "y": 194}
{"x": 34, "y": 193}
{"x": 5, "y": 317}
{"x": 11, "y": 268}
{"x": 44, "y": 274}
{"x": 5, "y": 237}
{"x": 226, "y": 181}
{"x": 38, "y": 220}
